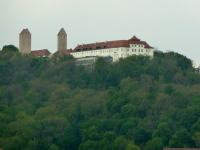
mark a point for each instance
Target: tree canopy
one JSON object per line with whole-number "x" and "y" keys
{"x": 137, "y": 103}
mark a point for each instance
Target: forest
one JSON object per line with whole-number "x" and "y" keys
{"x": 137, "y": 103}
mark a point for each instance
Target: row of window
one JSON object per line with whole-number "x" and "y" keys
{"x": 122, "y": 55}
{"x": 138, "y": 45}
{"x": 117, "y": 55}
{"x": 140, "y": 50}
{"x": 115, "y": 50}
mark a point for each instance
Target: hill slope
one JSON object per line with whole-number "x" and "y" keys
{"x": 136, "y": 103}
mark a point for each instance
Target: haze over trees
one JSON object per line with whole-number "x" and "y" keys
{"x": 135, "y": 104}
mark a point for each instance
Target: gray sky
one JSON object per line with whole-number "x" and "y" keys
{"x": 166, "y": 24}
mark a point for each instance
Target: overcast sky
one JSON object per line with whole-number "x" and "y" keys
{"x": 166, "y": 24}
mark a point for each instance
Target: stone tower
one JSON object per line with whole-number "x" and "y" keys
{"x": 62, "y": 40}
{"x": 25, "y": 42}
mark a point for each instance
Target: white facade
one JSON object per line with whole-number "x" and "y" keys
{"x": 116, "y": 53}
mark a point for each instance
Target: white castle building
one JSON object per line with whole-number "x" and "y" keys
{"x": 115, "y": 49}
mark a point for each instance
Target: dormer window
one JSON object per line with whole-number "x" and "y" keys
{"x": 98, "y": 47}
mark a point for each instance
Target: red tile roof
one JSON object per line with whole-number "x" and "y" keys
{"x": 66, "y": 51}
{"x": 110, "y": 44}
{"x": 24, "y": 31}
{"x": 134, "y": 38}
{"x": 40, "y": 52}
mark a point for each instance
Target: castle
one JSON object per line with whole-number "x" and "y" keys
{"x": 25, "y": 44}
{"x": 115, "y": 49}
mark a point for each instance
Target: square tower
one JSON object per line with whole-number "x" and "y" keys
{"x": 25, "y": 42}
{"x": 62, "y": 40}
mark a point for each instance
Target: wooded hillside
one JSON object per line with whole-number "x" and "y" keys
{"x": 137, "y": 103}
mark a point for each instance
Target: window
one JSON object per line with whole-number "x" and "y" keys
{"x": 135, "y": 45}
{"x": 135, "y": 50}
{"x": 141, "y": 50}
{"x": 138, "y": 50}
{"x": 139, "y": 45}
{"x": 146, "y": 50}
{"x": 132, "y": 50}
{"x": 127, "y": 49}
{"x": 122, "y": 49}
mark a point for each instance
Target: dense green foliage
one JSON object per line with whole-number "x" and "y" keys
{"x": 9, "y": 48}
{"x": 137, "y": 103}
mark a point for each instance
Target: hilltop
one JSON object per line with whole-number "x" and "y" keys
{"x": 135, "y": 103}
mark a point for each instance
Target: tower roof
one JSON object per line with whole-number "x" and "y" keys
{"x": 25, "y": 31}
{"x": 134, "y": 38}
{"x": 62, "y": 30}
